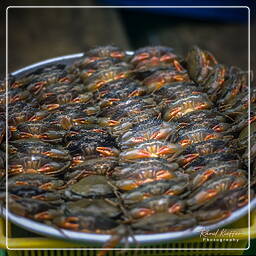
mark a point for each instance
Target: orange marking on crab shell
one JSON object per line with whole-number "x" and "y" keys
{"x": 252, "y": 119}
{"x": 205, "y": 195}
{"x": 46, "y": 186}
{"x": 39, "y": 197}
{"x": 15, "y": 98}
{"x": 17, "y": 168}
{"x": 36, "y": 118}
{"x": 116, "y": 54}
{"x": 206, "y": 175}
{"x": 12, "y": 128}
{"x": 28, "y": 135}
{"x": 164, "y": 174}
{"x": 179, "y": 78}
{"x": 45, "y": 95}
{"x": 190, "y": 157}
{"x": 20, "y": 183}
{"x": 76, "y": 162}
{"x": 77, "y": 100}
{"x": 171, "y": 192}
{"x": 173, "y": 112}
{"x": 43, "y": 216}
{"x": 64, "y": 80}
{"x": 143, "y": 212}
{"x": 175, "y": 208}
{"x": 209, "y": 173}
{"x": 128, "y": 187}
{"x": 138, "y": 139}
{"x": 134, "y": 93}
{"x": 98, "y": 130}
{"x": 210, "y": 137}
{"x": 159, "y": 135}
{"x": 177, "y": 65}
{"x": 236, "y": 184}
{"x": 121, "y": 75}
{"x": 46, "y": 136}
{"x": 80, "y": 121}
{"x": 103, "y": 93}
{"x": 16, "y": 84}
{"x": 38, "y": 86}
{"x": 185, "y": 142}
{"x": 218, "y": 128}
{"x": 97, "y": 85}
{"x": 46, "y": 168}
{"x": 196, "y": 93}
{"x": 112, "y": 122}
{"x": 201, "y": 106}
{"x": 91, "y": 59}
{"x": 50, "y": 106}
{"x": 165, "y": 150}
{"x": 69, "y": 225}
{"x": 106, "y": 151}
{"x": 165, "y": 58}
{"x": 140, "y": 57}
{"x": 113, "y": 100}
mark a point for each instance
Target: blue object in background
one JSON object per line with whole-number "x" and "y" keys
{"x": 216, "y": 14}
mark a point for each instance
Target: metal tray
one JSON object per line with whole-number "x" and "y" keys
{"x": 99, "y": 239}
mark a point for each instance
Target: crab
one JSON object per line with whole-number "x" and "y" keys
{"x": 183, "y": 106}
{"x": 35, "y": 163}
{"x": 162, "y": 78}
{"x": 93, "y": 186}
{"x": 152, "y": 148}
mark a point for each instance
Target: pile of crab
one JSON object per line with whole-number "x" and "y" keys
{"x": 128, "y": 144}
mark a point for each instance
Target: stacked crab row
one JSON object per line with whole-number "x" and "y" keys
{"x": 116, "y": 143}
{"x": 209, "y": 158}
{"x": 61, "y": 109}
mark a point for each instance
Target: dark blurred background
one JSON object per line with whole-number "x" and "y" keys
{"x": 35, "y": 34}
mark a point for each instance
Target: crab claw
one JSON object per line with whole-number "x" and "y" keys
{"x": 69, "y": 223}
{"x": 170, "y": 149}
{"x": 135, "y": 154}
{"x": 43, "y": 216}
{"x": 106, "y": 151}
